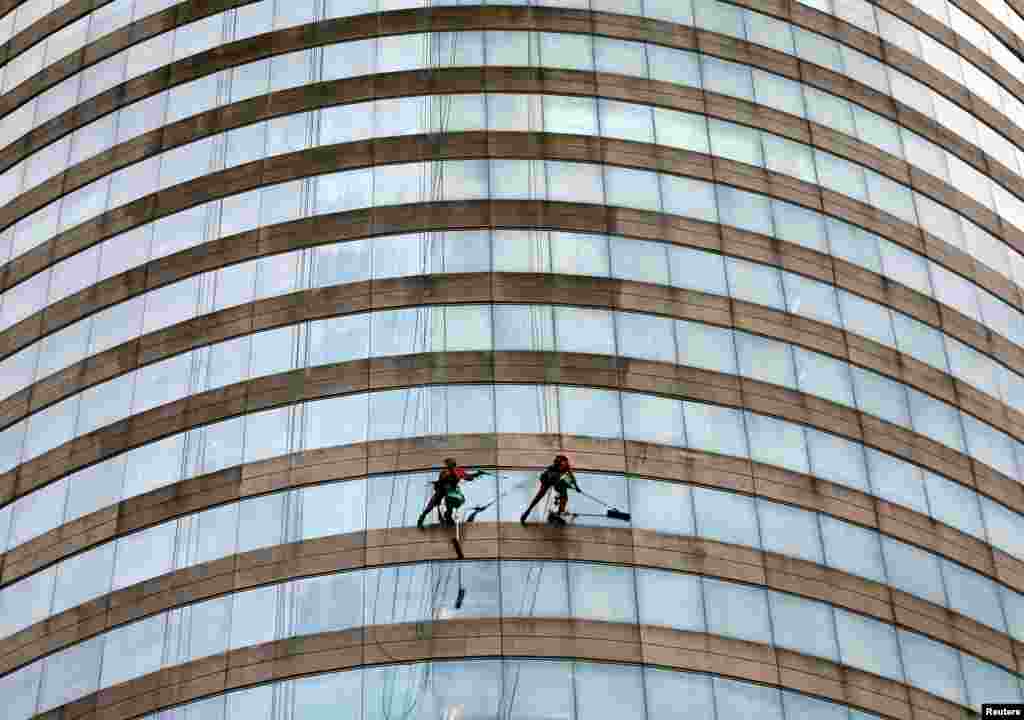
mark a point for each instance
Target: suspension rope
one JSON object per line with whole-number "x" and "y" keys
{"x": 432, "y": 186}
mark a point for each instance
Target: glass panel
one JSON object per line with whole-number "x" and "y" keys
{"x": 689, "y": 198}
{"x": 824, "y": 376}
{"x": 811, "y": 299}
{"x": 674, "y": 694}
{"x": 838, "y": 460}
{"x": 803, "y": 625}
{"x": 26, "y": 602}
{"x": 697, "y": 270}
{"x": 602, "y": 592}
{"x": 987, "y": 683}
{"x": 706, "y": 346}
{"x": 738, "y": 699}
{"x": 852, "y": 549}
{"x": 777, "y": 442}
{"x": 626, "y": 187}
{"x": 36, "y": 513}
{"x": 538, "y": 689}
{"x": 766, "y": 360}
{"x": 715, "y": 429}
{"x": 790, "y": 531}
{"x": 932, "y": 666}
{"x": 71, "y": 673}
{"x": 737, "y": 611}
{"x": 653, "y": 419}
{"x": 914, "y": 570}
{"x": 954, "y": 505}
{"x": 868, "y": 644}
{"x": 973, "y": 595}
{"x": 881, "y": 397}
{"x": 802, "y": 707}
{"x": 646, "y": 337}
{"x": 133, "y": 650}
{"x": 538, "y": 589}
{"x": 523, "y": 327}
{"x": 662, "y": 506}
{"x": 20, "y": 690}
{"x": 755, "y": 283}
{"x": 584, "y": 330}
{"x": 608, "y": 691}
{"x": 585, "y": 411}
{"x": 145, "y": 555}
{"x": 726, "y": 517}
{"x": 897, "y": 481}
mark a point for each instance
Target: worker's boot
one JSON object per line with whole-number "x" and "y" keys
{"x": 522, "y": 518}
{"x": 423, "y": 516}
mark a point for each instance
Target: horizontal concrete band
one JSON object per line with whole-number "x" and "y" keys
{"x": 691, "y": 467}
{"x": 368, "y": 296}
{"x": 510, "y": 542}
{"x": 553, "y": 19}
{"x": 524, "y": 80}
{"x": 510, "y": 367}
{"x": 481, "y": 145}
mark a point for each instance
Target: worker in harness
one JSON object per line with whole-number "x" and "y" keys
{"x": 446, "y": 490}
{"x": 559, "y": 476}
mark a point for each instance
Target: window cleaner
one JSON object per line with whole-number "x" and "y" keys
{"x": 559, "y": 476}
{"x": 447, "y": 491}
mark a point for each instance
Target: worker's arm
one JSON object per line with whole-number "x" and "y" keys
{"x": 475, "y": 475}
{"x": 572, "y": 481}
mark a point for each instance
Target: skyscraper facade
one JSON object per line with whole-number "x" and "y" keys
{"x": 755, "y": 267}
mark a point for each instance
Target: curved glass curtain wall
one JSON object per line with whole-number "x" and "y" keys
{"x": 514, "y": 690}
{"x": 517, "y": 48}
{"x": 510, "y": 689}
{"x": 426, "y": 591}
{"x": 506, "y": 112}
{"x": 859, "y": 13}
{"x": 552, "y": 113}
{"x": 707, "y": 14}
{"x": 26, "y": 13}
{"x": 540, "y": 328}
{"x": 520, "y": 179}
{"x": 399, "y": 184}
{"x": 949, "y": 14}
{"x": 440, "y": 410}
{"x": 873, "y": 19}
{"x": 685, "y": 68}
